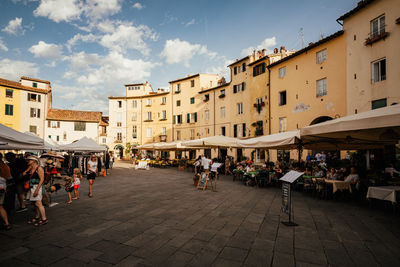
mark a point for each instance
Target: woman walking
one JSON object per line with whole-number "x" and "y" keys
{"x": 92, "y": 169}
{"x": 36, "y": 180}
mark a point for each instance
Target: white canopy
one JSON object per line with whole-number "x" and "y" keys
{"x": 83, "y": 145}
{"x": 369, "y": 129}
{"x": 150, "y": 146}
{"x": 285, "y": 140}
{"x": 19, "y": 141}
{"x": 47, "y": 145}
{"x": 212, "y": 141}
{"x": 174, "y": 145}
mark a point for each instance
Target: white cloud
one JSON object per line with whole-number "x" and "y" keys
{"x": 46, "y": 51}
{"x": 176, "y": 51}
{"x": 3, "y": 45}
{"x": 80, "y": 37}
{"x": 14, "y": 69}
{"x": 83, "y": 60}
{"x": 96, "y": 9}
{"x": 193, "y": 21}
{"x": 60, "y": 10}
{"x": 138, "y": 6}
{"x": 107, "y": 25}
{"x": 221, "y": 69}
{"x": 14, "y": 27}
{"x": 127, "y": 36}
{"x": 268, "y": 43}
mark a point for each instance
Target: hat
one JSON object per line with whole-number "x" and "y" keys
{"x": 34, "y": 158}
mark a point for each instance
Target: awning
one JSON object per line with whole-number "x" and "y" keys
{"x": 83, "y": 145}
{"x": 212, "y": 141}
{"x": 285, "y": 140}
{"x": 12, "y": 139}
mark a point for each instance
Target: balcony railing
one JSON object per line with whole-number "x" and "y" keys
{"x": 177, "y": 91}
{"x": 376, "y": 36}
{"x": 221, "y": 96}
{"x": 259, "y": 106}
{"x": 163, "y": 138}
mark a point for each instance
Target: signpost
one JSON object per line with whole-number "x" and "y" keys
{"x": 286, "y": 207}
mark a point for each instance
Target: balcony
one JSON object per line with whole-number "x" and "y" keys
{"x": 375, "y": 37}
{"x": 205, "y": 99}
{"x": 177, "y": 91}
{"x": 148, "y": 120}
{"x": 163, "y": 103}
{"x": 259, "y": 106}
{"x": 163, "y": 138}
{"x": 117, "y": 141}
{"x": 163, "y": 119}
{"x": 221, "y": 96}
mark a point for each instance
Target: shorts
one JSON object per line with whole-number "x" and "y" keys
{"x": 2, "y": 195}
{"x": 91, "y": 176}
{"x": 32, "y": 191}
{"x": 76, "y": 186}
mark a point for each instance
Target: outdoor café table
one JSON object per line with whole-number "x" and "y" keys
{"x": 252, "y": 176}
{"x": 339, "y": 185}
{"x": 383, "y": 192}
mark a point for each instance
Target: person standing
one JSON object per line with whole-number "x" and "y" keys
{"x": 17, "y": 167}
{"x": 227, "y": 166}
{"x": 107, "y": 162}
{"x": 111, "y": 160}
{"x": 36, "y": 174}
{"x": 92, "y": 172}
{"x": 5, "y": 174}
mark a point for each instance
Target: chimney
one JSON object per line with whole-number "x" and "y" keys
{"x": 311, "y": 43}
{"x": 259, "y": 54}
{"x": 264, "y": 52}
{"x": 275, "y": 50}
{"x": 282, "y": 48}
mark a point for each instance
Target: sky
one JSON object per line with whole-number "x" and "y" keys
{"x": 89, "y": 49}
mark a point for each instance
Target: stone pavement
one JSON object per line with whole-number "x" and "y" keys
{"x": 157, "y": 218}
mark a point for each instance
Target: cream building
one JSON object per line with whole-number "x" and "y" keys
{"x": 373, "y": 60}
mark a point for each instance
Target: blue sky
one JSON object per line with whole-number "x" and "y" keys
{"x": 89, "y": 49}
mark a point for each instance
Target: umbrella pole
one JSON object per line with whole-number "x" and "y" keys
{"x": 300, "y": 150}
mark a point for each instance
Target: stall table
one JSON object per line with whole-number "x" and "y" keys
{"x": 339, "y": 185}
{"x": 387, "y": 193}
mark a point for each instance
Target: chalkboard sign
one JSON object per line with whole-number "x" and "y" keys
{"x": 285, "y": 198}
{"x": 202, "y": 181}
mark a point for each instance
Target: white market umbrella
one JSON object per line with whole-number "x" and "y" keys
{"x": 83, "y": 145}
{"x": 219, "y": 141}
{"x": 285, "y": 140}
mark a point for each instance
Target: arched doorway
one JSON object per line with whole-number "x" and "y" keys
{"x": 320, "y": 119}
{"x": 119, "y": 150}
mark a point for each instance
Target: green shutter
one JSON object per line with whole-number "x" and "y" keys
{"x": 243, "y": 84}
{"x": 174, "y": 117}
{"x": 244, "y": 67}
{"x": 234, "y": 89}
{"x": 188, "y": 117}
{"x": 263, "y": 68}
{"x": 195, "y": 117}
{"x": 39, "y": 99}
{"x": 254, "y": 71}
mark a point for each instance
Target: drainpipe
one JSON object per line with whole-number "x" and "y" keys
{"x": 214, "y": 112}
{"x": 269, "y": 101}
{"x": 141, "y": 122}
{"x": 172, "y": 113}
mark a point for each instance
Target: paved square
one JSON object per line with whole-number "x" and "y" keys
{"x": 157, "y": 218}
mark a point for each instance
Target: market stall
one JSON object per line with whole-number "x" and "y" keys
{"x": 15, "y": 140}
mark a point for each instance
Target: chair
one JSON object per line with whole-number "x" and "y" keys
{"x": 262, "y": 178}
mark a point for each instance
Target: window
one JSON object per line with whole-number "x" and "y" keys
{"x": 235, "y": 70}
{"x": 120, "y": 104}
{"x": 119, "y": 124}
{"x": 104, "y": 140}
{"x": 244, "y": 130}
{"x": 35, "y": 113}
{"x": 134, "y": 103}
{"x": 259, "y": 69}
{"x": 207, "y": 115}
{"x": 192, "y": 134}
{"x": 192, "y": 83}
{"x": 33, "y": 129}
{"x": 9, "y": 110}
{"x": 192, "y": 100}
{"x": 222, "y": 92}
{"x": 164, "y": 115}
{"x": 164, "y": 131}
{"x": 163, "y": 100}
{"x": 235, "y": 130}
{"x": 321, "y": 56}
{"x": 79, "y": 126}
{"x": 178, "y": 103}
{"x": 178, "y": 135}
{"x": 58, "y": 138}
{"x": 179, "y": 119}
{"x": 34, "y": 85}
{"x": 9, "y": 93}
{"x": 193, "y": 117}
{"x": 282, "y": 98}
{"x": 238, "y": 88}
{"x": 34, "y": 97}
{"x": 119, "y": 136}
{"x": 379, "y": 103}
{"x": 134, "y": 116}
{"x": 65, "y": 136}
{"x": 222, "y": 112}
{"x": 282, "y": 72}
{"x": 223, "y": 130}
{"x": 259, "y": 100}
{"x": 282, "y": 125}
{"x": 148, "y": 132}
{"x": 148, "y": 102}
{"x": 178, "y": 87}
{"x": 377, "y": 26}
{"x": 53, "y": 124}
{"x": 240, "y": 108}
{"x": 379, "y": 70}
{"x": 149, "y": 116}
{"x": 134, "y": 131}
{"x": 321, "y": 87}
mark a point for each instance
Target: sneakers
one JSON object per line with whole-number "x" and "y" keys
{"x": 22, "y": 209}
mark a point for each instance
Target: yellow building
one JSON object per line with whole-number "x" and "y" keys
{"x": 373, "y": 60}
{"x": 10, "y": 104}
{"x": 309, "y": 86}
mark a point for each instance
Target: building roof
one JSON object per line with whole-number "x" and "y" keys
{"x": 258, "y": 60}
{"x": 214, "y": 88}
{"x": 17, "y": 85}
{"x": 134, "y": 84}
{"x": 137, "y": 97}
{"x": 34, "y": 79}
{"x": 185, "y": 78}
{"x": 311, "y": 46}
{"x": 73, "y": 115}
{"x": 238, "y": 60}
{"x": 360, "y": 5}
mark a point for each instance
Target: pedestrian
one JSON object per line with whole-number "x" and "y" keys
{"x": 17, "y": 167}
{"x": 111, "y": 160}
{"x": 92, "y": 169}
{"x": 77, "y": 177}
{"x": 107, "y": 162}
{"x": 69, "y": 187}
{"x": 5, "y": 174}
{"x": 227, "y": 166}
{"x": 36, "y": 174}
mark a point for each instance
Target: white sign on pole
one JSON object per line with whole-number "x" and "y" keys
{"x": 291, "y": 176}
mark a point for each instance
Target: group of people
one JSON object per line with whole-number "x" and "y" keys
{"x": 23, "y": 177}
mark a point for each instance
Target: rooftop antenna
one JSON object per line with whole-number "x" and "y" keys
{"x": 302, "y": 38}
{"x": 321, "y": 35}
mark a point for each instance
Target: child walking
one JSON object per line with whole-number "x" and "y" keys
{"x": 69, "y": 187}
{"x": 77, "y": 176}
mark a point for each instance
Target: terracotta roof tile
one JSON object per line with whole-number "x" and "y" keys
{"x": 34, "y": 79}
{"x": 17, "y": 85}
{"x": 74, "y": 115}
